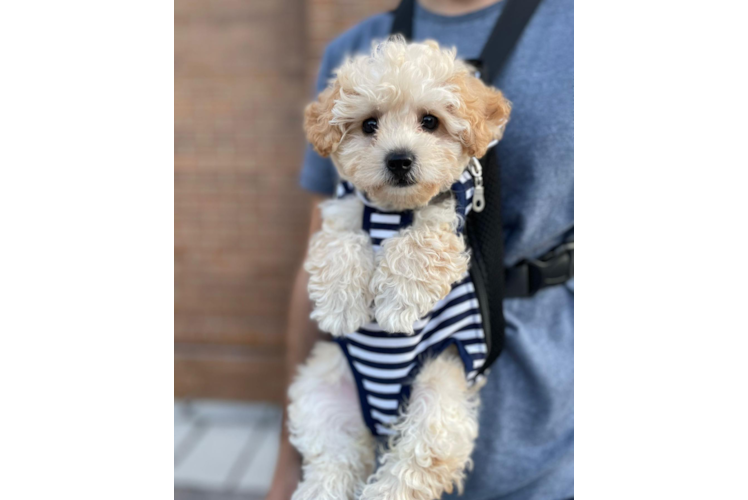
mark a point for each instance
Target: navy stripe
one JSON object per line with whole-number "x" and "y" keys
{"x": 383, "y": 225}
{"x": 451, "y": 321}
{"x": 402, "y": 381}
{"x": 383, "y": 366}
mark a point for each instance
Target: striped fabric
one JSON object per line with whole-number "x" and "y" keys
{"x": 384, "y": 365}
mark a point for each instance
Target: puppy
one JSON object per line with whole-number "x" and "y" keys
{"x": 388, "y": 276}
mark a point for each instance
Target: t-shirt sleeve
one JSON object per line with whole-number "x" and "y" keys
{"x": 318, "y": 174}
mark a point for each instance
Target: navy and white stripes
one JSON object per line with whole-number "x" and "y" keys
{"x": 384, "y": 364}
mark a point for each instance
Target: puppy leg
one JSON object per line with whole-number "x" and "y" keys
{"x": 326, "y": 427}
{"x": 435, "y": 436}
{"x": 340, "y": 263}
{"x": 418, "y": 267}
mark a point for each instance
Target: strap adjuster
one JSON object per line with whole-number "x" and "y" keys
{"x": 529, "y": 276}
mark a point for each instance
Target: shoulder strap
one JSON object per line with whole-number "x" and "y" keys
{"x": 403, "y": 22}
{"x": 503, "y": 38}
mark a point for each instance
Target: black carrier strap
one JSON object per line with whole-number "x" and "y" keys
{"x": 504, "y": 37}
{"x": 403, "y": 22}
{"x": 484, "y": 229}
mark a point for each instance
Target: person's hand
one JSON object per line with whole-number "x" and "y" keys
{"x": 287, "y": 471}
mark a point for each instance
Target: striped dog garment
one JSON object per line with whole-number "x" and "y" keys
{"x": 384, "y": 364}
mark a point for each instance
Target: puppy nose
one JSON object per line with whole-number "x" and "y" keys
{"x": 399, "y": 162}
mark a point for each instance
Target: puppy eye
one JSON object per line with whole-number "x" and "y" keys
{"x": 369, "y": 126}
{"x": 430, "y": 122}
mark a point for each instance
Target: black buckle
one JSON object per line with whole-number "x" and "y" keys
{"x": 531, "y": 275}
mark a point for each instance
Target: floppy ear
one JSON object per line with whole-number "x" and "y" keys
{"x": 486, "y": 111}
{"x": 323, "y": 136}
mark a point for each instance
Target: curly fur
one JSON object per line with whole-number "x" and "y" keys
{"x": 417, "y": 268}
{"x": 435, "y": 437}
{"x": 326, "y": 427}
{"x": 486, "y": 111}
{"x": 340, "y": 263}
{"x": 397, "y": 84}
{"x": 317, "y": 117}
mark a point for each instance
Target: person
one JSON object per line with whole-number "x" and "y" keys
{"x": 525, "y": 450}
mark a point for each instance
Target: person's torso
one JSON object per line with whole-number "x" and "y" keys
{"x": 525, "y": 447}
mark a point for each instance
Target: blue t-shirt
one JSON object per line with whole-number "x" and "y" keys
{"x": 526, "y": 445}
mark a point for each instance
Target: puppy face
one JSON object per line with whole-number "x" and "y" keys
{"x": 402, "y": 123}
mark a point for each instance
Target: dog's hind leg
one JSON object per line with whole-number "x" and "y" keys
{"x": 326, "y": 427}
{"x": 435, "y": 436}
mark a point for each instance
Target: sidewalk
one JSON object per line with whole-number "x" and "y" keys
{"x": 224, "y": 450}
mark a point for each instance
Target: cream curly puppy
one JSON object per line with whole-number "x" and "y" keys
{"x": 400, "y": 125}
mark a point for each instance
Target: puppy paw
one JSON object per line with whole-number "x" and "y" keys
{"x": 398, "y": 303}
{"x": 341, "y": 315}
{"x": 416, "y": 270}
{"x": 340, "y": 266}
{"x": 339, "y": 484}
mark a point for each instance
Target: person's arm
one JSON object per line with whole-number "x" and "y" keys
{"x": 301, "y": 334}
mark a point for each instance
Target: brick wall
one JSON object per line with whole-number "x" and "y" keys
{"x": 242, "y": 75}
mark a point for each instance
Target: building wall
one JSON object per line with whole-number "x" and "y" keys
{"x": 242, "y": 71}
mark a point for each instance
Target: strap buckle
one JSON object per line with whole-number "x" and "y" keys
{"x": 531, "y": 275}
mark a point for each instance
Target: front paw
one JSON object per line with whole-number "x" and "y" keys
{"x": 340, "y": 266}
{"x": 341, "y": 314}
{"x": 400, "y": 302}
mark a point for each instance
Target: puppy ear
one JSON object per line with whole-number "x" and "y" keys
{"x": 486, "y": 111}
{"x": 323, "y": 136}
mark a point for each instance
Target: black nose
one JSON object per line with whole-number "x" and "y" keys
{"x": 399, "y": 162}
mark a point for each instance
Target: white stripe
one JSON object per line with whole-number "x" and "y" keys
{"x": 475, "y": 348}
{"x": 382, "y": 233}
{"x": 376, "y": 248}
{"x": 475, "y": 333}
{"x": 385, "y": 218}
{"x": 472, "y": 374}
{"x": 381, "y": 373}
{"x": 443, "y": 334}
{"x": 384, "y": 430}
{"x": 384, "y": 404}
{"x": 469, "y": 193}
{"x": 422, "y": 346}
{"x": 385, "y": 419}
{"x": 341, "y": 190}
{"x": 451, "y": 312}
{"x": 377, "y": 357}
{"x": 396, "y": 342}
{"x": 381, "y": 388}
{"x": 477, "y": 363}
